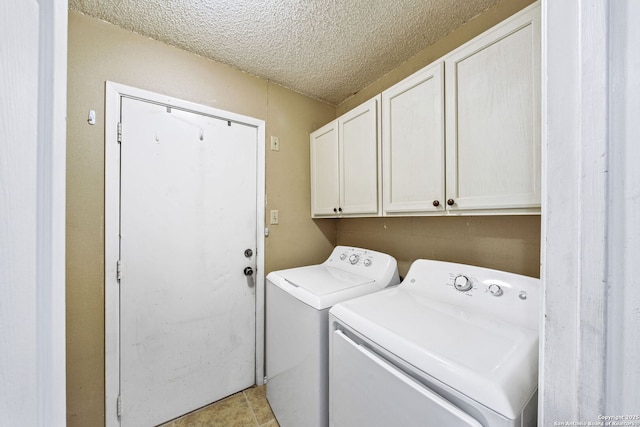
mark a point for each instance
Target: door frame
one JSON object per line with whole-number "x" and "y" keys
{"x": 33, "y": 212}
{"x": 113, "y": 94}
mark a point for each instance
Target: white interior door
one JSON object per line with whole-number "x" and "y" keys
{"x": 187, "y": 215}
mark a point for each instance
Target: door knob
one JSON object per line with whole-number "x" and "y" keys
{"x": 248, "y": 271}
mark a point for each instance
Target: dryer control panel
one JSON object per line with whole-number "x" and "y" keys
{"x": 498, "y": 294}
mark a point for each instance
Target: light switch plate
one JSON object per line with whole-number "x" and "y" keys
{"x": 273, "y": 217}
{"x": 275, "y": 143}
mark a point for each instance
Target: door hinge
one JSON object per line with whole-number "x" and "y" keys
{"x": 118, "y": 270}
{"x": 119, "y": 406}
{"x": 119, "y": 132}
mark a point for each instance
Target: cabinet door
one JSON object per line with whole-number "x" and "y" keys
{"x": 358, "y": 136}
{"x": 493, "y": 118}
{"x": 324, "y": 171}
{"x": 413, "y": 144}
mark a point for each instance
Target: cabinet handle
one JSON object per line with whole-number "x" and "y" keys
{"x": 335, "y": 210}
{"x": 339, "y": 209}
{"x": 436, "y": 203}
{"x": 450, "y": 202}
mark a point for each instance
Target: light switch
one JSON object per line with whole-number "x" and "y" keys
{"x": 273, "y": 217}
{"x": 275, "y": 143}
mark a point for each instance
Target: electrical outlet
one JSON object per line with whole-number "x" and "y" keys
{"x": 273, "y": 217}
{"x": 275, "y": 143}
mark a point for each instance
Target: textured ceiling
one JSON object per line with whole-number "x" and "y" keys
{"x": 327, "y": 49}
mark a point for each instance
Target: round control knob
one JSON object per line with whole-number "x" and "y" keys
{"x": 343, "y": 257}
{"x": 462, "y": 283}
{"x": 495, "y": 290}
{"x": 367, "y": 262}
{"x": 353, "y": 259}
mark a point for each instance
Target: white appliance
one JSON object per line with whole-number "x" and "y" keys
{"x": 298, "y": 302}
{"x": 453, "y": 345}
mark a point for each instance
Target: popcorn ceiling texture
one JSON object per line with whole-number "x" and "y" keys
{"x": 326, "y": 49}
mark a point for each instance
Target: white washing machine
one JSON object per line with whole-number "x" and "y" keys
{"x": 297, "y": 350}
{"x": 453, "y": 345}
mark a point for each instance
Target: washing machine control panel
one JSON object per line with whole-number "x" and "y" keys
{"x": 376, "y": 266}
{"x": 357, "y": 257}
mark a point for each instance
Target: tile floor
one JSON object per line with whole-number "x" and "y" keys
{"x": 248, "y": 408}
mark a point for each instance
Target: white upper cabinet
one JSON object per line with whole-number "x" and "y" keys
{"x": 413, "y": 144}
{"x": 459, "y": 137}
{"x": 493, "y": 119}
{"x": 325, "y": 190}
{"x": 358, "y": 147}
{"x": 344, "y": 164}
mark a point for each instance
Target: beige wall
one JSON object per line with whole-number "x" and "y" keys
{"x": 297, "y": 239}
{"x": 99, "y": 51}
{"x": 510, "y": 243}
{"x": 501, "y": 242}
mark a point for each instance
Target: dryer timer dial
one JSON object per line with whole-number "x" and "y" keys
{"x": 462, "y": 283}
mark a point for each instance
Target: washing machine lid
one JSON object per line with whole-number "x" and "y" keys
{"x": 320, "y": 286}
{"x": 490, "y": 361}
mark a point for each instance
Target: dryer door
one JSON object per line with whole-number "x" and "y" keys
{"x": 366, "y": 390}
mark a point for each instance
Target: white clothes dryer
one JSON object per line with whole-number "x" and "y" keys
{"x": 297, "y": 306}
{"x": 453, "y": 345}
